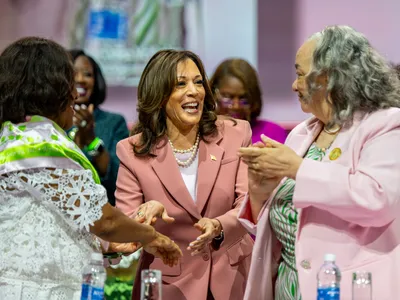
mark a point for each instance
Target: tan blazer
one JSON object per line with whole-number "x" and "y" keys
{"x": 221, "y": 186}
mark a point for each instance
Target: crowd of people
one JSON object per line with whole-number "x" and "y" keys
{"x": 200, "y": 174}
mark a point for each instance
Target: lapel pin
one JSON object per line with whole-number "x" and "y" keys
{"x": 213, "y": 157}
{"x": 335, "y": 154}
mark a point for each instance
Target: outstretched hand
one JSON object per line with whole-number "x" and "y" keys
{"x": 164, "y": 248}
{"x": 210, "y": 228}
{"x": 149, "y": 212}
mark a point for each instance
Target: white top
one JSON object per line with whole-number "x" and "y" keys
{"x": 189, "y": 174}
{"x": 44, "y": 239}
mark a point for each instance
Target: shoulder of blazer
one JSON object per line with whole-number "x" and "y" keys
{"x": 157, "y": 148}
{"x": 228, "y": 127}
{"x": 384, "y": 119}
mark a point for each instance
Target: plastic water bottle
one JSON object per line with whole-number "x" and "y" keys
{"x": 329, "y": 279}
{"x": 362, "y": 285}
{"x": 151, "y": 285}
{"x": 93, "y": 278}
{"x": 108, "y": 37}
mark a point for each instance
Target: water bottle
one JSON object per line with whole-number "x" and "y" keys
{"x": 107, "y": 37}
{"x": 329, "y": 279}
{"x": 362, "y": 285}
{"x": 93, "y": 278}
{"x": 151, "y": 285}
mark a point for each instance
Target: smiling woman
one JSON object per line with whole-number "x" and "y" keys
{"x": 180, "y": 165}
{"x": 185, "y": 105}
{"x": 96, "y": 131}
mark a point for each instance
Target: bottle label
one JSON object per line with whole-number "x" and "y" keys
{"x": 85, "y": 292}
{"x": 96, "y": 293}
{"x": 330, "y": 293}
{"x": 107, "y": 24}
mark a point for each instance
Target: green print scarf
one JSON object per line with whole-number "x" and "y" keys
{"x": 39, "y": 143}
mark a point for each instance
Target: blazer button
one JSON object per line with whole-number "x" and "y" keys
{"x": 305, "y": 264}
{"x": 206, "y": 257}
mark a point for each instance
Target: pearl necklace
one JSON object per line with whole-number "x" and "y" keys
{"x": 192, "y": 150}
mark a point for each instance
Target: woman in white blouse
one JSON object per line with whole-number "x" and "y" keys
{"x": 51, "y": 199}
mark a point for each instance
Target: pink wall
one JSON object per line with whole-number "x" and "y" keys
{"x": 282, "y": 26}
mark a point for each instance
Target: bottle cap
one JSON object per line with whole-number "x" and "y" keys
{"x": 97, "y": 256}
{"x": 330, "y": 257}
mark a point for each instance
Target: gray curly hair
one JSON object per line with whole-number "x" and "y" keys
{"x": 359, "y": 78}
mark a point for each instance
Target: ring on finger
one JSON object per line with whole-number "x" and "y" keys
{"x": 140, "y": 214}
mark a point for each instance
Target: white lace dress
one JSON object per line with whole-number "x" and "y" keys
{"x": 44, "y": 239}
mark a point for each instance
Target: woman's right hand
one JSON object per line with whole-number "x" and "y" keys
{"x": 164, "y": 248}
{"x": 261, "y": 188}
{"x": 149, "y": 212}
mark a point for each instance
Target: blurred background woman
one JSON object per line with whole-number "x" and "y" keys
{"x": 236, "y": 87}
{"x": 96, "y": 131}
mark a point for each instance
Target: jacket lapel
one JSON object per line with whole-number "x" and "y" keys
{"x": 302, "y": 141}
{"x": 167, "y": 170}
{"x": 210, "y": 156}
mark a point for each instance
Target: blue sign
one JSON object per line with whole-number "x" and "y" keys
{"x": 107, "y": 24}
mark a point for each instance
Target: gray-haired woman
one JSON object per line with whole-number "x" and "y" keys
{"x": 334, "y": 186}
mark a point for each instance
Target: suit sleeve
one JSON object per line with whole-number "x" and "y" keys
{"x": 128, "y": 194}
{"x": 245, "y": 217}
{"x": 233, "y": 229}
{"x": 367, "y": 195}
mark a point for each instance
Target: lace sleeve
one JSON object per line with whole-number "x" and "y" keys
{"x": 73, "y": 192}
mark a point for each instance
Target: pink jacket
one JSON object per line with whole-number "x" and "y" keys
{"x": 349, "y": 207}
{"x": 221, "y": 187}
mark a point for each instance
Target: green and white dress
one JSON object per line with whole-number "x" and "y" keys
{"x": 283, "y": 219}
{"x": 50, "y": 194}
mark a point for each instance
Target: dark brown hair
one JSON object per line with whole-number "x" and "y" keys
{"x": 36, "y": 78}
{"x": 243, "y": 71}
{"x": 156, "y": 84}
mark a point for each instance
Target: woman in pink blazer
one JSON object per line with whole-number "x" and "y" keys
{"x": 334, "y": 186}
{"x": 181, "y": 165}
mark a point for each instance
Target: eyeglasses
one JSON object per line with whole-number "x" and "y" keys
{"x": 228, "y": 102}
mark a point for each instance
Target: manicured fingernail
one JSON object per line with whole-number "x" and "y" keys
{"x": 83, "y": 106}
{"x": 198, "y": 239}
{"x": 76, "y": 107}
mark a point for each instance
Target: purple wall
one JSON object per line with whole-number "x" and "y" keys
{"x": 282, "y": 26}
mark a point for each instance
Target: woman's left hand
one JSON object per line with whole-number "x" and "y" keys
{"x": 210, "y": 228}
{"x": 275, "y": 161}
{"x": 84, "y": 120}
